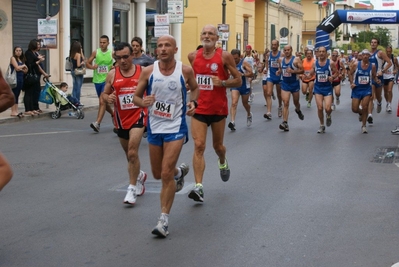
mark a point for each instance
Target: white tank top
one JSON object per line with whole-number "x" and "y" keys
{"x": 169, "y": 110}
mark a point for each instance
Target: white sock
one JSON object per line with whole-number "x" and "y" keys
{"x": 131, "y": 186}
{"x": 165, "y": 217}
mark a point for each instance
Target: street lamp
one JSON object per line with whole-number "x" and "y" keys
{"x": 224, "y": 11}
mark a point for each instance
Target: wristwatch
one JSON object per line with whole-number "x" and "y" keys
{"x": 224, "y": 83}
{"x": 195, "y": 103}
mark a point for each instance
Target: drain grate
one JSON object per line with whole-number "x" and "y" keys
{"x": 386, "y": 155}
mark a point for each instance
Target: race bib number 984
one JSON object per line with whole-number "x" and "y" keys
{"x": 163, "y": 110}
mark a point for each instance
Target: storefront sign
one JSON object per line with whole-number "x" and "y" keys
{"x": 121, "y": 6}
{"x": 161, "y": 20}
{"x": 161, "y": 30}
{"x": 176, "y": 11}
{"x": 47, "y": 26}
{"x": 48, "y": 41}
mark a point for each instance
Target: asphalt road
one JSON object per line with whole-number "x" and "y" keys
{"x": 294, "y": 198}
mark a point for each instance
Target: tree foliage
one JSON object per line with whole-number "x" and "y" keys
{"x": 382, "y": 34}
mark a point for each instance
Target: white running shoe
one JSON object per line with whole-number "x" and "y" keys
{"x": 131, "y": 196}
{"x": 249, "y": 120}
{"x": 95, "y": 126}
{"x": 322, "y": 129}
{"x": 140, "y": 188}
{"x": 280, "y": 112}
{"x": 180, "y": 181}
{"x": 333, "y": 107}
{"x": 389, "y": 109}
{"x": 161, "y": 229}
{"x": 379, "y": 107}
{"x": 364, "y": 129}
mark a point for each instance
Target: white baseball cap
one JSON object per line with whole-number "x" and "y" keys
{"x": 365, "y": 51}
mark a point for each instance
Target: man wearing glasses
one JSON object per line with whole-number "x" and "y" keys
{"x": 130, "y": 119}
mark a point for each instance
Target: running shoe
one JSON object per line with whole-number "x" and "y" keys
{"x": 280, "y": 112}
{"x": 379, "y": 107}
{"x": 370, "y": 119}
{"x": 328, "y": 120}
{"x": 251, "y": 98}
{"x": 232, "y": 126}
{"x": 95, "y": 126}
{"x": 322, "y": 129}
{"x": 389, "y": 109}
{"x": 180, "y": 181}
{"x": 273, "y": 96}
{"x": 360, "y": 117}
{"x": 337, "y": 101}
{"x": 307, "y": 96}
{"x": 309, "y": 105}
{"x": 224, "y": 170}
{"x": 395, "y": 131}
{"x": 300, "y": 115}
{"x": 197, "y": 194}
{"x": 364, "y": 129}
{"x": 161, "y": 229}
{"x": 140, "y": 188}
{"x": 332, "y": 106}
{"x": 249, "y": 120}
{"x": 284, "y": 126}
{"x": 267, "y": 116}
{"x": 131, "y": 196}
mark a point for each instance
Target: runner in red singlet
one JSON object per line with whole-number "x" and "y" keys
{"x": 211, "y": 66}
{"x": 130, "y": 120}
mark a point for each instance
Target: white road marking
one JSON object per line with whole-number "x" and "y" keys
{"x": 29, "y": 134}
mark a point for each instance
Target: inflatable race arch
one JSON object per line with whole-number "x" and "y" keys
{"x": 332, "y": 22}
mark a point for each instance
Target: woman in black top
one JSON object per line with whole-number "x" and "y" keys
{"x": 32, "y": 91}
{"x": 77, "y": 58}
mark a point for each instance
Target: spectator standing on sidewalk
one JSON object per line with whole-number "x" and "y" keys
{"x": 100, "y": 61}
{"x": 17, "y": 63}
{"x": 78, "y": 61}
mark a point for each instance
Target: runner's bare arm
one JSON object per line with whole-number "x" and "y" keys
{"x": 387, "y": 60}
{"x": 229, "y": 63}
{"x": 89, "y": 63}
{"x": 109, "y": 96}
{"x": 6, "y": 95}
{"x": 138, "y": 99}
{"x": 192, "y": 83}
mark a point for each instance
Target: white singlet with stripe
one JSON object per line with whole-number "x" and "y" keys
{"x": 168, "y": 113}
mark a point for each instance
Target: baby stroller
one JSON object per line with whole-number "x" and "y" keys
{"x": 51, "y": 94}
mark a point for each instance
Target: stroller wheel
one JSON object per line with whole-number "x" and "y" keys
{"x": 56, "y": 114}
{"x": 80, "y": 114}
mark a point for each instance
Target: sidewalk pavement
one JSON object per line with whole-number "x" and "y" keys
{"x": 88, "y": 98}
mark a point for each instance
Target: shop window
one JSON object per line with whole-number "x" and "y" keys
{"x": 80, "y": 21}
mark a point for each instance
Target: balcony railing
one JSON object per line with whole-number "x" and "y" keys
{"x": 310, "y": 25}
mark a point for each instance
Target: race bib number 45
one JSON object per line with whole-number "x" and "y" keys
{"x": 126, "y": 102}
{"x": 163, "y": 110}
{"x": 204, "y": 82}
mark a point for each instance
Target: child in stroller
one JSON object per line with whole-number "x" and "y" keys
{"x": 63, "y": 101}
{"x": 73, "y": 100}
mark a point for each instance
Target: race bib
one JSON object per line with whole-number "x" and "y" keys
{"x": 274, "y": 64}
{"x": 363, "y": 80}
{"x": 307, "y": 73}
{"x": 126, "y": 101}
{"x": 102, "y": 69}
{"x": 322, "y": 78}
{"x": 204, "y": 82}
{"x": 388, "y": 71}
{"x": 163, "y": 110}
{"x": 286, "y": 74}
